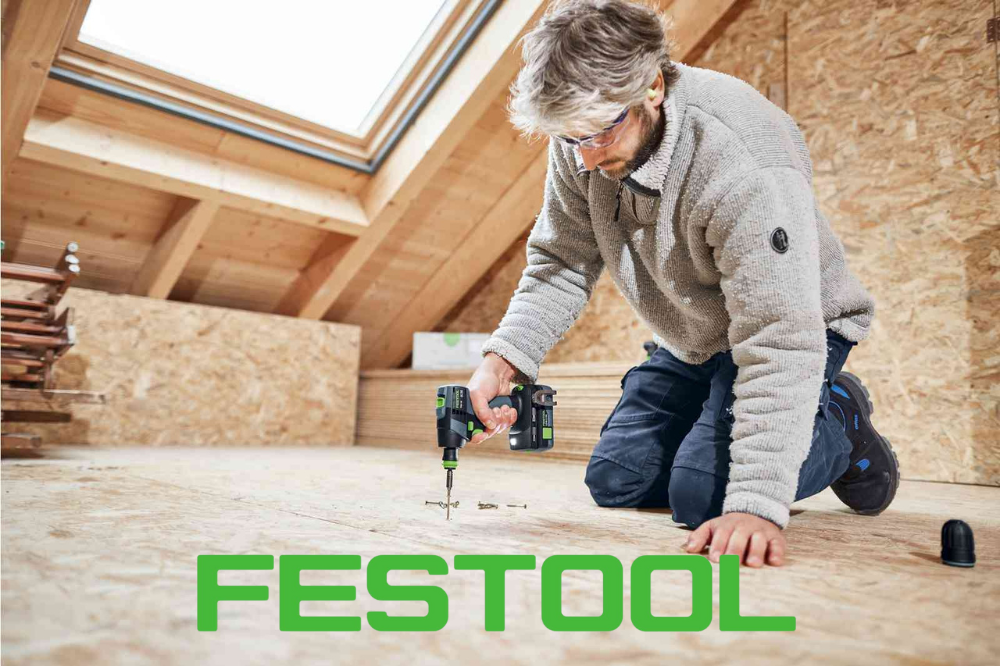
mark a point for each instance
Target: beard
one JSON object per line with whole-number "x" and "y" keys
{"x": 650, "y": 137}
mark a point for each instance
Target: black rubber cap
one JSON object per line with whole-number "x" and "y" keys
{"x": 957, "y": 545}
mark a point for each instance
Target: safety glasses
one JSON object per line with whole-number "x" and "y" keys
{"x": 606, "y": 137}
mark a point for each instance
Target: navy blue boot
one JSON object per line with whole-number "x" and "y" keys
{"x": 870, "y": 482}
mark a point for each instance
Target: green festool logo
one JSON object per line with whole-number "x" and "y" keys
{"x": 494, "y": 567}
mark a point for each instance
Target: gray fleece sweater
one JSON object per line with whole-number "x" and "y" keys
{"x": 692, "y": 241}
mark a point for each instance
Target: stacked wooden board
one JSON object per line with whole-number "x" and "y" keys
{"x": 34, "y": 338}
{"x": 396, "y": 407}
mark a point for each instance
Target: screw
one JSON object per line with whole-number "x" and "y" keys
{"x": 518, "y": 506}
{"x": 487, "y": 505}
{"x": 454, "y": 504}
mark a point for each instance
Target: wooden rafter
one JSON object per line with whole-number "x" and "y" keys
{"x": 165, "y": 262}
{"x": 32, "y": 33}
{"x": 510, "y": 217}
{"x": 484, "y": 71}
{"x": 98, "y": 150}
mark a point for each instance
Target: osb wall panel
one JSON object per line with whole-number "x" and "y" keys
{"x": 176, "y": 373}
{"x": 899, "y": 104}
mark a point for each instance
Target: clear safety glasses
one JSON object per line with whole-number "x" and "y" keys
{"x": 606, "y": 137}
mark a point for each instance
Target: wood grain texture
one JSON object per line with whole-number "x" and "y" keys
{"x": 179, "y": 373}
{"x": 32, "y": 34}
{"x": 87, "y": 533}
{"x": 449, "y": 208}
{"x": 115, "y": 224}
{"x": 69, "y": 100}
{"x": 482, "y": 73}
{"x": 81, "y": 145}
{"x": 163, "y": 265}
{"x": 898, "y": 103}
{"x": 243, "y": 261}
{"x": 247, "y": 261}
{"x": 510, "y": 217}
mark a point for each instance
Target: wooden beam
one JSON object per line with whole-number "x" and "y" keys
{"x": 165, "y": 262}
{"x": 32, "y": 33}
{"x": 509, "y": 218}
{"x": 513, "y": 213}
{"x": 484, "y": 71}
{"x": 53, "y": 397}
{"x": 80, "y": 145}
{"x": 694, "y": 20}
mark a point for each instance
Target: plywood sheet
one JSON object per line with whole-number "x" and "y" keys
{"x": 187, "y": 374}
{"x": 900, "y": 109}
{"x": 88, "y": 534}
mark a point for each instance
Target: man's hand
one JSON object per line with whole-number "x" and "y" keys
{"x": 754, "y": 539}
{"x": 492, "y": 378}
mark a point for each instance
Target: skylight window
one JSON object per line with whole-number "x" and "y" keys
{"x": 324, "y": 62}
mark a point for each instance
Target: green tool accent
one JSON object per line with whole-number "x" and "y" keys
{"x": 449, "y": 464}
{"x": 476, "y": 432}
{"x": 470, "y": 425}
{"x": 546, "y": 433}
{"x": 440, "y": 401}
{"x": 451, "y": 339}
{"x": 519, "y": 387}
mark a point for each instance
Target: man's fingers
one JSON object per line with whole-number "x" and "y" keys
{"x": 720, "y": 539}
{"x": 482, "y": 436}
{"x": 776, "y": 552}
{"x": 481, "y": 406}
{"x": 757, "y": 550}
{"x": 699, "y": 538}
{"x": 737, "y": 544}
{"x": 511, "y": 416}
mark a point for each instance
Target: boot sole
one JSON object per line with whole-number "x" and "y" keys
{"x": 855, "y": 387}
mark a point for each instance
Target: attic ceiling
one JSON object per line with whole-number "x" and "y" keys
{"x": 166, "y": 207}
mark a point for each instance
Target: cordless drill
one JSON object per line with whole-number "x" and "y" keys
{"x": 457, "y": 423}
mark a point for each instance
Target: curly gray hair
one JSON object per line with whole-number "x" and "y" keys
{"x": 585, "y": 61}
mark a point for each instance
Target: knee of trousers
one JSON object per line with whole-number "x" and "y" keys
{"x": 695, "y": 496}
{"x": 612, "y": 485}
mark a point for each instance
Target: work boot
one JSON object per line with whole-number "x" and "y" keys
{"x": 870, "y": 482}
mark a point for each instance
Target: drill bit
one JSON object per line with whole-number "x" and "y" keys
{"x": 447, "y": 513}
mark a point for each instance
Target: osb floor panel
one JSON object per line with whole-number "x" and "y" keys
{"x": 99, "y": 551}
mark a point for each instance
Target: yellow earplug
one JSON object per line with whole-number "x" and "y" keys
{"x": 651, "y": 93}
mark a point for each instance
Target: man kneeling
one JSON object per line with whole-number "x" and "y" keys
{"x": 695, "y": 193}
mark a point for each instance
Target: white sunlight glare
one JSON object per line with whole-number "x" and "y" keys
{"x": 323, "y": 61}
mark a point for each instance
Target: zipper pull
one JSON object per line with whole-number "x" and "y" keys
{"x": 618, "y": 207}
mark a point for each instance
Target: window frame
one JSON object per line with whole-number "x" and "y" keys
{"x": 427, "y": 56}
